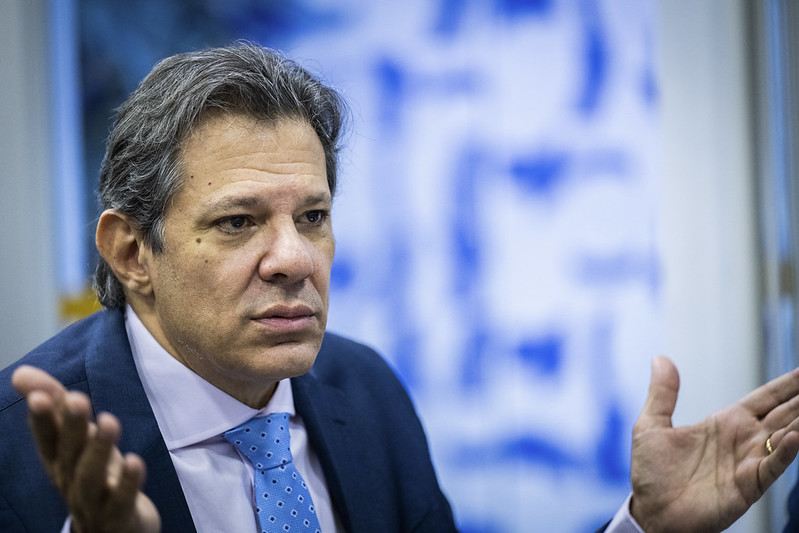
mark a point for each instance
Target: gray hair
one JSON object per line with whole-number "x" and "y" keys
{"x": 141, "y": 170}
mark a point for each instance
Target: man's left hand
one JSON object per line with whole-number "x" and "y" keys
{"x": 702, "y": 478}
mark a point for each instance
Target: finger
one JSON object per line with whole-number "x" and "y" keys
{"x": 91, "y": 472}
{"x": 134, "y": 473}
{"x": 776, "y": 392}
{"x": 122, "y": 498}
{"x": 45, "y": 395}
{"x": 783, "y": 415}
{"x": 73, "y": 435}
{"x": 662, "y": 397}
{"x": 773, "y": 465}
{"x": 776, "y": 437}
{"x": 44, "y": 426}
{"x": 26, "y": 379}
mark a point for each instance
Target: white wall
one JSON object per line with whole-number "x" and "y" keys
{"x": 28, "y": 296}
{"x": 708, "y": 210}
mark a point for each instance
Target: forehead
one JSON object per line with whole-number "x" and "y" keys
{"x": 220, "y": 134}
{"x": 232, "y": 154}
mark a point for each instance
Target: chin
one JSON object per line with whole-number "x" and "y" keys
{"x": 292, "y": 361}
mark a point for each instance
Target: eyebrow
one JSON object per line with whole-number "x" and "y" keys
{"x": 234, "y": 202}
{"x": 318, "y": 198}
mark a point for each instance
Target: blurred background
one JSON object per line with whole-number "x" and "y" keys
{"x": 537, "y": 197}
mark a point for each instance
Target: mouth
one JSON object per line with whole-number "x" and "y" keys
{"x": 286, "y": 318}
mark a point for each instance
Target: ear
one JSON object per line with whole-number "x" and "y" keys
{"x": 121, "y": 245}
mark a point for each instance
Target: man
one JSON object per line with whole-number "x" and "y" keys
{"x": 216, "y": 243}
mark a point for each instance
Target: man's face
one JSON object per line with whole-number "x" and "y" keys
{"x": 240, "y": 292}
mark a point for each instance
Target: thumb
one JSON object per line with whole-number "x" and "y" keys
{"x": 662, "y": 397}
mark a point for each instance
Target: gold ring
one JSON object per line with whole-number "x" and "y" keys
{"x": 768, "y": 446}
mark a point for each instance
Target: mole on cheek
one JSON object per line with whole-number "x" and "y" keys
{"x": 199, "y": 240}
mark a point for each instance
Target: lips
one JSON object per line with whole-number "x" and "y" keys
{"x": 286, "y": 318}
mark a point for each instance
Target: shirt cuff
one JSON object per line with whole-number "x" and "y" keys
{"x": 624, "y": 522}
{"x": 67, "y": 525}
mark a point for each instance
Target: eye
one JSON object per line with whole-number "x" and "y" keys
{"x": 317, "y": 217}
{"x": 233, "y": 224}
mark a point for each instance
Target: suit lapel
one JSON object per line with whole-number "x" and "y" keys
{"x": 115, "y": 387}
{"x": 353, "y": 460}
{"x": 323, "y": 410}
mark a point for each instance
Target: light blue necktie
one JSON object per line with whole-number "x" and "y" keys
{"x": 282, "y": 500}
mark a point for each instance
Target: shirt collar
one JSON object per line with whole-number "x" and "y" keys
{"x": 189, "y": 409}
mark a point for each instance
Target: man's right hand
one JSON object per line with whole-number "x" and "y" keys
{"x": 102, "y": 488}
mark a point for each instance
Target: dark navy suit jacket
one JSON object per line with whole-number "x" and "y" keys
{"x": 359, "y": 420}
{"x": 793, "y": 511}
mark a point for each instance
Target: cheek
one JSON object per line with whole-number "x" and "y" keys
{"x": 325, "y": 253}
{"x": 235, "y": 266}
{"x": 193, "y": 281}
{"x": 326, "y": 248}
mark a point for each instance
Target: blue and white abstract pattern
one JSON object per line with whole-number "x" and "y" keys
{"x": 496, "y": 224}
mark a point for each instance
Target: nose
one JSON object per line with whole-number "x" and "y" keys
{"x": 288, "y": 256}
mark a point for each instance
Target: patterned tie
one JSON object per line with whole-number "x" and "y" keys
{"x": 282, "y": 500}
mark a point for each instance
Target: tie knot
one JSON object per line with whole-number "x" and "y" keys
{"x": 265, "y": 440}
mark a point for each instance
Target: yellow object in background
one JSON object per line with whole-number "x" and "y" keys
{"x": 73, "y": 307}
